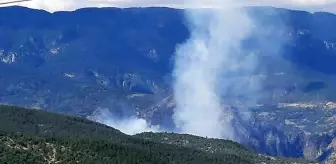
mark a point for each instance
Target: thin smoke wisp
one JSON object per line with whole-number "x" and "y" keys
{"x": 130, "y": 125}
{"x": 202, "y": 67}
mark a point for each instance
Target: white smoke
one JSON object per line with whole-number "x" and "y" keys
{"x": 210, "y": 65}
{"x": 129, "y": 125}
{"x": 213, "y": 49}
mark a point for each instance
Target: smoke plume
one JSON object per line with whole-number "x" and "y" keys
{"x": 204, "y": 66}
{"x": 128, "y": 125}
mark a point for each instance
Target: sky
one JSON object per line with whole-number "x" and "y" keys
{"x": 61, "y": 5}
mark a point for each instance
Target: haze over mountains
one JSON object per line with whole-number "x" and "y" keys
{"x": 66, "y": 5}
{"x": 119, "y": 62}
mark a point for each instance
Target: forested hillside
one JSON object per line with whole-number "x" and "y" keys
{"x": 121, "y": 60}
{"x": 33, "y": 136}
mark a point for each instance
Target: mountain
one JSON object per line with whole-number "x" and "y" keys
{"x": 35, "y": 136}
{"x": 80, "y": 62}
{"x": 65, "y": 60}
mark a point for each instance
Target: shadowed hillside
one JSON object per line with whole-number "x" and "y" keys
{"x": 32, "y": 136}
{"x": 79, "y": 62}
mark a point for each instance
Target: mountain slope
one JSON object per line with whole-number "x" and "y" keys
{"x": 110, "y": 55}
{"x": 215, "y": 146}
{"x": 80, "y": 62}
{"x": 32, "y": 136}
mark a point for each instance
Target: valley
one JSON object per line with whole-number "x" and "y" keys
{"x": 121, "y": 60}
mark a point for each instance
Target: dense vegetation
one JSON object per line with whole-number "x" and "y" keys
{"x": 81, "y": 61}
{"x": 217, "y": 146}
{"x": 33, "y": 136}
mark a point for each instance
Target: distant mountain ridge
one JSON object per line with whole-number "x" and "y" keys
{"x": 121, "y": 59}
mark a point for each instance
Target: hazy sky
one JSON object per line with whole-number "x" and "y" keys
{"x": 56, "y": 5}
